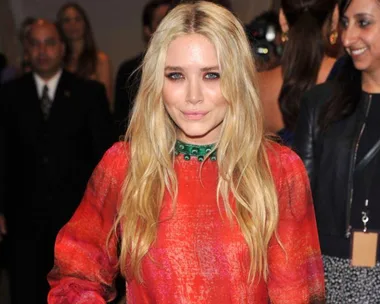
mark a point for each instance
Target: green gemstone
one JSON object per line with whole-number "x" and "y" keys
{"x": 199, "y": 151}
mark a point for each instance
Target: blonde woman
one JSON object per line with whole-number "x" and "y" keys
{"x": 198, "y": 206}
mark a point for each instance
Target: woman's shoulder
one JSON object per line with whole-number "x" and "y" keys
{"x": 275, "y": 71}
{"x": 102, "y": 57}
{"x": 115, "y": 160}
{"x": 285, "y": 164}
{"x": 279, "y": 153}
{"x": 323, "y": 90}
{"x": 318, "y": 95}
{"x": 270, "y": 83}
{"x": 270, "y": 78}
{"x": 103, "y": 68}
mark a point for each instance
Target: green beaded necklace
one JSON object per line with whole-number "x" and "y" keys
{"x": 198, "y": 151}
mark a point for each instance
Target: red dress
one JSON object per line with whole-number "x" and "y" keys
{"x": 199, "y": 256}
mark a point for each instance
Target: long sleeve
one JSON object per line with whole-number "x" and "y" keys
{"x": 308, "y": 131}
{"x": 295, "y": 263}
{"x": 303, "y": 142}
{"x": 84, "y": 267}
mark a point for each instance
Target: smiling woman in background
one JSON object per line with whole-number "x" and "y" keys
{"x": 82, "y": 55}
{"x": 337, "y": 136}
{"x": 203, "y": 207}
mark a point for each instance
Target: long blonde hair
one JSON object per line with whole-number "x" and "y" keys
{"x": 241, "y": 150}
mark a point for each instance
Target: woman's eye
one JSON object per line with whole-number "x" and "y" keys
{"x": 212, "y": 76}
{"x": 174, "y": 76}
{"x": 363, "y": 23}
{"x": 344, "y": 23}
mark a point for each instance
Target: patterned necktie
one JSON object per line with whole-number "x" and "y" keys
{"x": 46, "y": 102}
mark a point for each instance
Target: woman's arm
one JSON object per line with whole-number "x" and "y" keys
{"x": 294, "y": 257}
{"x": 270, "y": 83}
{"x": 84, "y": 266}
{"x": 304, "y": 135}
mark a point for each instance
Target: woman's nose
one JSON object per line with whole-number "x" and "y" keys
{"x": 194, "y": 94}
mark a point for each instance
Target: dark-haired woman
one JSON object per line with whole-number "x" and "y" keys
{"x": 308, "y": 27}
{"x": 337, "y": 136}
{"x": 82, "y": 55}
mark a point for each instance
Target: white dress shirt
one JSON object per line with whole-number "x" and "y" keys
{"x": 52, "y": 84}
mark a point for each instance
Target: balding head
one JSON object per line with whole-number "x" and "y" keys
{"x": 45, "y": 23}
{"x": 45, "y": 48}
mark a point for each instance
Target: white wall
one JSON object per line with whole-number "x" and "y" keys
{"x": 117, "y": 23}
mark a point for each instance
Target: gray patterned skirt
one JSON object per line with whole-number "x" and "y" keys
{"x": 346, "y": 284}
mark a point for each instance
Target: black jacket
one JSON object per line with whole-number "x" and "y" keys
{"x": 127, "y": 84}
{"x": 330, "y": 158}
{"x": 45, "y": 165}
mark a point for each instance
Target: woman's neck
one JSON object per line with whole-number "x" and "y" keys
{"x": 195, "y": 150}
{"x": 371, "y": 82}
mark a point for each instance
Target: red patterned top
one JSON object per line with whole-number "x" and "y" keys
{"x": 199, "y": 256}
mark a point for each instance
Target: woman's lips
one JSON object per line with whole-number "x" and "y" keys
{"x": 194, "y": 115}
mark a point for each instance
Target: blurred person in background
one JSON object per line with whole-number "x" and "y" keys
{"x": 307, "y": 27}
{"x": 54, "y": 128}
{"x": 23, "y": 34}
{"x": 128, "y": 76}
{"x": 7, "y": 72}
{"x": 338, "y": 138}
{"x": 82, "y": 55}
{"x": 264, "y": 33}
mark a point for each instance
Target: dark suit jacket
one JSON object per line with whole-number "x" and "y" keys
{"x": 45, "y": 165}
{"x": 127, "y": 84}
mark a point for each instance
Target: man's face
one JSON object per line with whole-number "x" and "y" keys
{"x": 159, "y": 14}
{"x": 45, "y": 49}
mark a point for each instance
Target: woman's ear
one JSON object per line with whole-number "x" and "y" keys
{"x": 335, "y": 19}
{"x": 283, "y": 22}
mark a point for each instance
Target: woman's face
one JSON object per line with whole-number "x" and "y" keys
{"x": 361, "y": 34}
{"x": 73, "y": 24}
{"x": 191, "y": 91}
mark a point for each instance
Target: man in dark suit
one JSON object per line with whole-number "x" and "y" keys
{"x": 54, "y": 128}
{"x": 128, "y": 76}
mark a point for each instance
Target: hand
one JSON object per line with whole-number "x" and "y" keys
{"x": 3, "y": 227}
